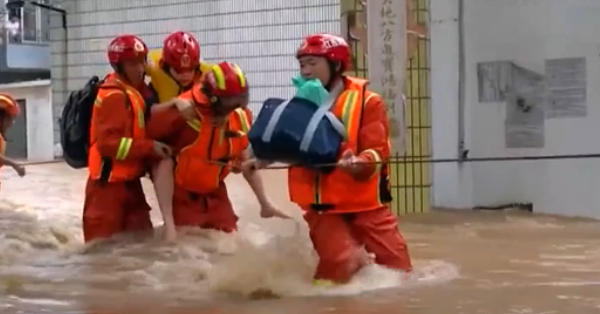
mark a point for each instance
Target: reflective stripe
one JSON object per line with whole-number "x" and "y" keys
{"x": 140, "y": 112}
{"x": 373, "y": 152}
{"x": 369, "y": 98}
{"x": 98, "y": 100}
{"x": 350, "y": 100}
{"x": 219, "y": 76}
{"x": 124, "y": 147}
{"x": 324, "y": 283}
{"x": 195, "y": 124}
{"x": 348, "y": 111}
{"x": 240, "y": 75}
{"x": 244, "y": 120}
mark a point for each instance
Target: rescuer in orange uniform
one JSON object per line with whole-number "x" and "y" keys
{"x": 348, "y": 208}
{"x": 208, "y": 148}
{"x": 9, "y": 110}
{"x": 119, "y": 148}
{"x": 172, "y": 71}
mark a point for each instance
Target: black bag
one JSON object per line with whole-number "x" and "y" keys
{"x": 75, "y": 124}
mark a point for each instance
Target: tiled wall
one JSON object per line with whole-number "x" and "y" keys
{"x": 260, "y": 35}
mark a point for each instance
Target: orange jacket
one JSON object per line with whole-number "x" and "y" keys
{"x": 2, "y": 147}
{"x": 203, "y": 151}
{"x": 118, "y": 137}
{"x": 364, "y": 116}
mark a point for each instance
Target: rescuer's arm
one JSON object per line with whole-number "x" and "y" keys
{"x": 185, "y": 107}
{"x": 164, "y": 125}
{"x": 163, "y": 106}
{"x": 373, "y": 138}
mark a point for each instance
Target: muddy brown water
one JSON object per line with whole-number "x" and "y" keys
{"x": 466, "y": 261}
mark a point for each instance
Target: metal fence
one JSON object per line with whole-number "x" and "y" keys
{"x": 411, "y": 181}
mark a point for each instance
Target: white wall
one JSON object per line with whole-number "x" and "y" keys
{"x": 527, "y": 33}
{"x": 40, "y": 124}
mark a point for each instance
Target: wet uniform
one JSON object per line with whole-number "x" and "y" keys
{"x": 200, "y": 196}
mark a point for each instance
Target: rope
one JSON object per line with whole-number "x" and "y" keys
{"x": 424, "y": 160}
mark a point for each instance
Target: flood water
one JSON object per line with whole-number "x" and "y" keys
{"x": 466, "y": 262}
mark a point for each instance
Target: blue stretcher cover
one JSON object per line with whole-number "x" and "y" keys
{"x": 297, "y": 131}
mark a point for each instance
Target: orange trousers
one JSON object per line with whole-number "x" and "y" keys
{"x": 114, "y": 207}
{"x": 210, "y": 211}
{"x": 338, "y": 240}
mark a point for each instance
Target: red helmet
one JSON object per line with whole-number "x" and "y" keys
{"x": 181, "y": 51}
{"x": 9, "y": 105}
{"x": 127, "y": 48}
{"x": 226, "y": 79}
{"x": 332, "y": 47}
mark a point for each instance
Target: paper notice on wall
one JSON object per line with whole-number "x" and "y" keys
{"x": 387, "y": 60}
{"x": 566, "y": 88}
{"x": 493, "y": 80}
{"x": 524, "y": 124}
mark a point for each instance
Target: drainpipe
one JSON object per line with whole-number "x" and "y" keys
{"x": 461, "y": 149}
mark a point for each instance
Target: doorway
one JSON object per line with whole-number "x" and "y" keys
{"x": 16, "y": 136}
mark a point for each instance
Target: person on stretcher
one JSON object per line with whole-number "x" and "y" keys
{"x": 347, "y": 209}
{"x": 207, "y": 148}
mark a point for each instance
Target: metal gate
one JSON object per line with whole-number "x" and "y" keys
{"x": 411, "y": 181}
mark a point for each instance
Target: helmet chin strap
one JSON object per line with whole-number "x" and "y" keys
{"x": 334, "y": 74}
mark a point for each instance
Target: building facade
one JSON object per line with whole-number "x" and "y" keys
{"x": 460, "y": 108}
{"x": 25, "y": 74}
{"x": 516, "y": 79}
{"x": 261, "y": 36}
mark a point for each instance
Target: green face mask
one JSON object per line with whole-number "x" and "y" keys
{"x": 311, "y": 90}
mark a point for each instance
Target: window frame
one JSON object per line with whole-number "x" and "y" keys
{"x": 39, "y": 32}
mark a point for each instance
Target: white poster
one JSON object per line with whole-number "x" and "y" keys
{"x": 566, "y": 88}
{"x": 386, "y": 20}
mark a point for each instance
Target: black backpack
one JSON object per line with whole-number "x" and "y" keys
{"x": 75, "y": 124}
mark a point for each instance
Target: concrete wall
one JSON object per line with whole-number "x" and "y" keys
{"x": 261, "y": 36}
{"x": 526, "y": 33}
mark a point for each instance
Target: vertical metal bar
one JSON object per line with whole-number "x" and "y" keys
{"x": 461, "y": 80}
{"x": 427, "y": 41}
{"x": 420, "y": 166}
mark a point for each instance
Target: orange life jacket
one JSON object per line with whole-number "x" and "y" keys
{"x": 2, "y": 148}
{"x": 338, "y": 191}
{"x": 116, "y": 168}
{"x": 203, "y": 165}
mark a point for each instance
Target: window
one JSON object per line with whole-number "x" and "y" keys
{"x": 12, "y": 24}
{"x": 29, "y": 24}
